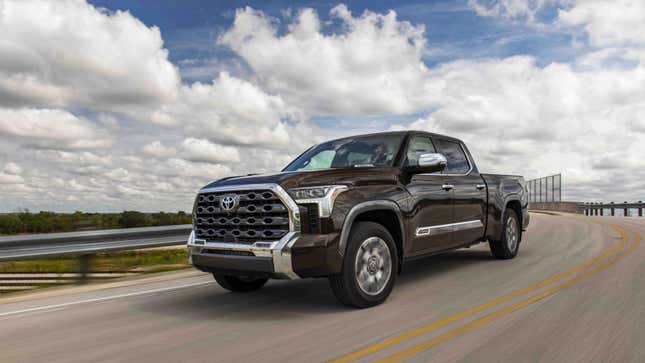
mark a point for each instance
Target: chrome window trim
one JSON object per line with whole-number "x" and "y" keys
{"x": 447, "y": 228}
{"x": 279, "y": 250}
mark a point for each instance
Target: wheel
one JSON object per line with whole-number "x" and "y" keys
{"x": 509, "y": 245}
{"x": 239, "y": 283}
{"x": 369, "y": 267}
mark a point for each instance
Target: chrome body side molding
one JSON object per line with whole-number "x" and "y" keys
{"x": 447, "y": 228}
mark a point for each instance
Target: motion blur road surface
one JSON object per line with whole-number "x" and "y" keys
{"x": 576, "y": 292}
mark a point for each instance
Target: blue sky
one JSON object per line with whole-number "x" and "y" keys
{"x": 106, "y": 110}
{"x": 453, "y": 29}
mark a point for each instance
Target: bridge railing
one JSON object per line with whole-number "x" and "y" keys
{"x": 599, "y": 208}
{"x": 87, "y": 243}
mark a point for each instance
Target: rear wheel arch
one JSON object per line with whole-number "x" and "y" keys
{"x": 516, "y": 206}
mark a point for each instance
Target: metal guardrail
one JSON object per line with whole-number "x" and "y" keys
{"x": 598, "y": 209}
{"x": 87, "y": 243}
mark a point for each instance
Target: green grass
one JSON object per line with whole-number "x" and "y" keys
{"x": 126, "y": 261}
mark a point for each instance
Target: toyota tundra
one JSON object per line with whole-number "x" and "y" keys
{"x": 355, "y": 210}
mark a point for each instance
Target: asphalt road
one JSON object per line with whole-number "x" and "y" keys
{"x": 576, "y": 292}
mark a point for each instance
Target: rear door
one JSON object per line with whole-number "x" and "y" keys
{"x": 469, "y": 192}
{"x": 431, "y": 203}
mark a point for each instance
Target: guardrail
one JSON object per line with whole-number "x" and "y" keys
{"x": 87, "y": 243}
{"x": 598, "y": 209}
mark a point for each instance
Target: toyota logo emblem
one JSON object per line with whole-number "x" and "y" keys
{"x": 228, "y": 202}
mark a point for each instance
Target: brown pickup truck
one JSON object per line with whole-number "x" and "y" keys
{"x": 354, "y": 210}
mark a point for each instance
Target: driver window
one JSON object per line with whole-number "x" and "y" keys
{"x": 322, "y": 160}
{"x": 418, "y": 145}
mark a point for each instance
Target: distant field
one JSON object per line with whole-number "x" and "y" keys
{"x": 49, "y": 222}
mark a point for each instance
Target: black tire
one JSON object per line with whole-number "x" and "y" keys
{"x": 237, "y": 284}
{"x": 502, "y": 249}
{"x": 346, "y": 285}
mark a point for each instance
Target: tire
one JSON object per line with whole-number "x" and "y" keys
{"x": 509, "y": 245}
{"x": 238, "y": 284}
{"x": 378, "y": 262}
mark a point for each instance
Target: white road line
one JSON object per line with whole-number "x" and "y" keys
{"x": 40, "y": 308}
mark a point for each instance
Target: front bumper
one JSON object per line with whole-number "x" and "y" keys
{"x": 294, "y": 256}
{"x": 273, "y": 258}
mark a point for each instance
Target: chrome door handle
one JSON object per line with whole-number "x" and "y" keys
{"x": 447, "y": 187}
{"x": 481, "y": 186}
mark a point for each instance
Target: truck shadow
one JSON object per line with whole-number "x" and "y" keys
{"x": 429, "y": 267}
{"x": 286, "y": 300}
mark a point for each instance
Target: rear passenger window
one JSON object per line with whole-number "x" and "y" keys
{"x": 457, "y": 161}
{"x": 418, "y": 145}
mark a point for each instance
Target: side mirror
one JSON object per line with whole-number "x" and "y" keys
{"x": 430, "y": 163}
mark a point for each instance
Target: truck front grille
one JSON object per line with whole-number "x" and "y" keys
{"x": 259, "y": 216}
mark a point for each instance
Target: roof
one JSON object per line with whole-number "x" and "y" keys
{"x": 402, "y": 132}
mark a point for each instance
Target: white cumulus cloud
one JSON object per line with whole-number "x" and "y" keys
{"x": 206, "y": 151}
{"x": 68, "y": 53}
{"x": 373, "y": 65}
{"x": 51, "y": 128}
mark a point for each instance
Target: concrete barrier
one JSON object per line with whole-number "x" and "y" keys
{"x": 567, "y": 207}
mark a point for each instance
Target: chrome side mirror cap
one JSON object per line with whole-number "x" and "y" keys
{"x": 432, "y": 162}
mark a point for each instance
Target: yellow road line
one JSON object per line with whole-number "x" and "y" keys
{"x": 500, "y": 313}
{"x": 451, "y": 319}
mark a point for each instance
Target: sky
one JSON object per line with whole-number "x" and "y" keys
{"x": 125, "y": 105}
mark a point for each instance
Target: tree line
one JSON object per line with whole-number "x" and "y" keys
{"x": 49, "y": 222}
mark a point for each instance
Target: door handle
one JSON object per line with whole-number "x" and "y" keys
{"x": 447, "y": 187}
{"x": 481, "y": 186}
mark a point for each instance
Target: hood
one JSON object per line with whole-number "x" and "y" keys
{"x": 294, "y": 179}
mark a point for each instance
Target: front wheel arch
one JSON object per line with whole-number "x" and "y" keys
{"x": 384, "y": 212}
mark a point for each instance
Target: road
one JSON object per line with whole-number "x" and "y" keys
{"x": 576, "y": 292}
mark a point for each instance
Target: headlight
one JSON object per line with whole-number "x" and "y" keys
{"x": 324, "y": 196}
{"x": 309, "y": 193}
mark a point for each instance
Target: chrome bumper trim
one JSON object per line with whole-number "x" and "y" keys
{"x": 279, "y": 250}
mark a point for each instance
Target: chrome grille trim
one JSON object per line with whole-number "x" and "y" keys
{"x": 257, "y": 213}
{"x": 279, "y": 249}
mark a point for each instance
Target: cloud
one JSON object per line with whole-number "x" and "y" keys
{"x": 206, "y": 151}
{"x": 113, "y": 126}
{"x": 511, "y": 9}
{"x": 371, "y": 65}
{"x": 158, "y": 150}
{"x": 12, "y": 168}
{"x": 51, "y": 128}
{"x": 615, "y": 30}
{"x": 608, "y": 23}
{"x": 82, "y": 88}
{"x": 233, "y": 111}
{"x": 8, "y": 178}
{"x": 520, "y": 118}
{"x": 68, "y": 53}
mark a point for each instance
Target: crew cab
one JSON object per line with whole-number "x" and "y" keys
{"x": 355, "y": 210}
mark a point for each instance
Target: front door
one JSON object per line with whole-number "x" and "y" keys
{"x": 431, "y": 203}
{"x": 469, "y": 193}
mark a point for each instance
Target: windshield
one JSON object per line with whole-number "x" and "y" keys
{"x": 363, "y": 151}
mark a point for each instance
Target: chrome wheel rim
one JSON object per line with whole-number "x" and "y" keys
{"x": 512, "y": 234}
{"x": 373, "y": 266}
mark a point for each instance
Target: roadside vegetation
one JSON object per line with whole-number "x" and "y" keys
{"x": 18, "y": 276}
{"x": 125, "y": 261}
{"x": 49, "y": 222}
